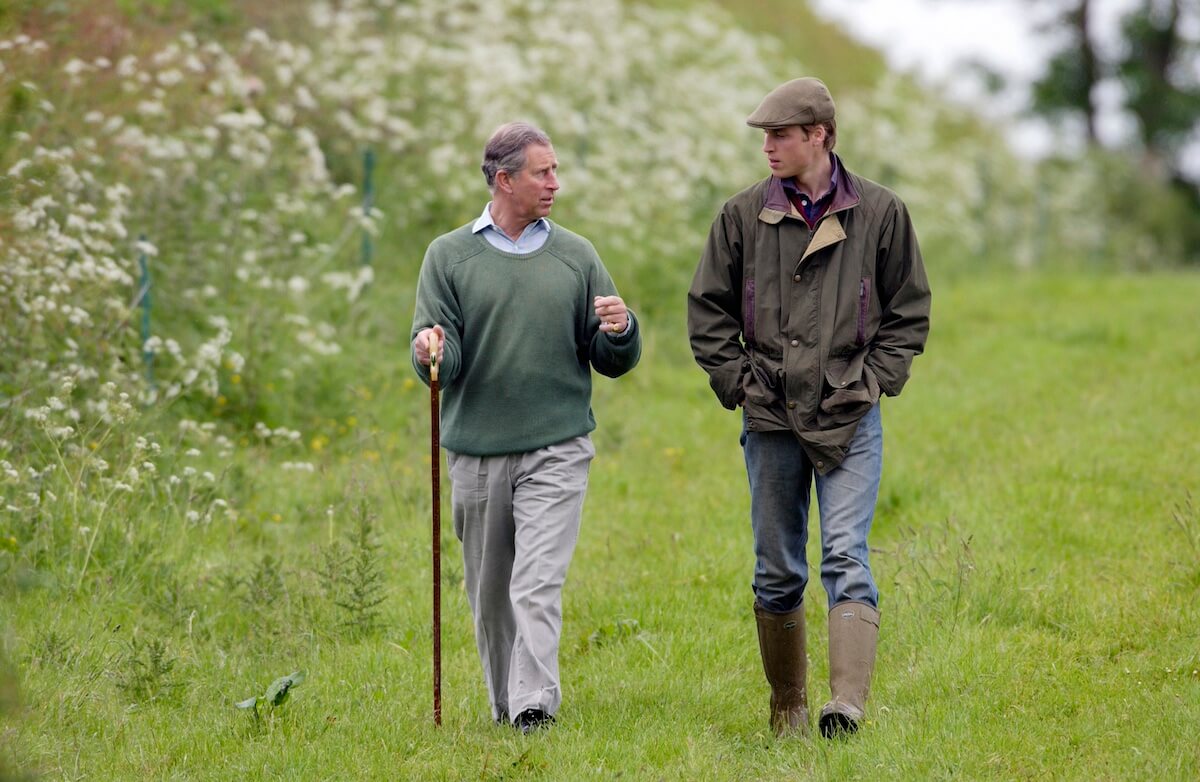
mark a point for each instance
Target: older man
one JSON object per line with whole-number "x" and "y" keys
{"x": 809, "y": 302}
{"x": 523, "y": 310}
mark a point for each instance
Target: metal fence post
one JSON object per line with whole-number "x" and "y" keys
{"x": 368, "y": 202}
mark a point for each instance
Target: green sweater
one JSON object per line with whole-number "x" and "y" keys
{"x": 521, "y": 338}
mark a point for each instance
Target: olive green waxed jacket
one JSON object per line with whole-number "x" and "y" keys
{"x": 807, "y": 328}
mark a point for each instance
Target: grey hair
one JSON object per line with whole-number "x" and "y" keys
{"x": 505, "y": 150}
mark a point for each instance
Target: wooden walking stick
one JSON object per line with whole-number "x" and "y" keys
{"x": 436, "y": 456}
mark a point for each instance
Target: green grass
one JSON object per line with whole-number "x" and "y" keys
{"x": 1039, "y": 585}
{"x": 1037, "y": 542}
{"x": 845, "y": 64}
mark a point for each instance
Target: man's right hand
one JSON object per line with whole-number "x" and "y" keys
{"x": 421, "y": 344}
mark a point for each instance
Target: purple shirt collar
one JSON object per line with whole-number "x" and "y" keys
{"x": 841, "y": 190}
{"x": 790, "y": 186}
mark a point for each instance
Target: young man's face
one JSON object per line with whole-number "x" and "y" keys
{"x": 792, "y": 151}
{"x": 534, "y": 186}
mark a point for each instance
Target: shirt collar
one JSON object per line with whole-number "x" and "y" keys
{"x": 789, "y": 184}
{"x": 485, "y": 221}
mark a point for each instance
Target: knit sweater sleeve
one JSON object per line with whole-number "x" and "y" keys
{"x": 437, "y": 305}
{"x": 610, "y": 355}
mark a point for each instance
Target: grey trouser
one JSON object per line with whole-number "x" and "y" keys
{"x": 517, "y": 516}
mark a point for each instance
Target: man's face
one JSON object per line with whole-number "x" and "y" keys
{"x": 791, "y": 151}
{"x": 534, "y": 186}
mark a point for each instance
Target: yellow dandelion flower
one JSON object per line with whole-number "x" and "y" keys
{"x": 409, "y": 384}
{"x": 222, "y": 401}
{"x": 276, "y": 517}
{"x": 235, "y": 379}
{"x": 352, "y": 421}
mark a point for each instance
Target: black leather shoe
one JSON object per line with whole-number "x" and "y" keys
{"x": 532, "y": 719}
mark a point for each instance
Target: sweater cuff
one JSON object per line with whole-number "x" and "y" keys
{"x": 626, "y": 335}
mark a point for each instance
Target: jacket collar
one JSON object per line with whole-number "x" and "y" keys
{"x": 776, "y": 205}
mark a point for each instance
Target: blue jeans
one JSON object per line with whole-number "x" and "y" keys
{"x": 781, "y": 477}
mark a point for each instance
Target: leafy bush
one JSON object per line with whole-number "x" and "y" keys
{"x": 183, "y": 224}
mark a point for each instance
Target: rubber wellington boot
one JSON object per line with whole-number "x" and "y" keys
{"x": 853, "y": 633}
{"x": 781, "y": 644}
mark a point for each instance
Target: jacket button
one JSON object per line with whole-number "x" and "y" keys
{"x": 791, "y": 405}
{"x": 820, "y": 463}
{"x": 796, "y": 278}
{"x": 795, "y": 343}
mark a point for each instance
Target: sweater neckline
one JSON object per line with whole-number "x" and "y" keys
{"x": 551, "y": 239}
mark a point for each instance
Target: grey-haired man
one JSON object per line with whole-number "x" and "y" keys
{"x": 809, "y": 302}
{"x": 524, "y": 311}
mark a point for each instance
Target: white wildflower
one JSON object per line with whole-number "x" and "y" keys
{"x": 257, "y": 36}
{"x": 151, "y": 108}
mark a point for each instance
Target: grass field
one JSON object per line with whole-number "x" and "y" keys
{"x": 1037, "y": 547}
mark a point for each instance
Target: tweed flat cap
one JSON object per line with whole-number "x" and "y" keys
{"x": 798, "y": 102}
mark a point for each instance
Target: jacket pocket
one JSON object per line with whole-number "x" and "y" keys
{"x": 850, "y": 390}
{"x": 763, "y": 380}
{"x": 864, "y": 309}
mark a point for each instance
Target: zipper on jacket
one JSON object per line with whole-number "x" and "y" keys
{"x": 864, "y": 303}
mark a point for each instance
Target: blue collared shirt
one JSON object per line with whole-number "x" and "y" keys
{"x": 530, "y": 240}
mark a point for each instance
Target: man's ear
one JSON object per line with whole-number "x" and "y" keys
{"x": 504, "y": 181}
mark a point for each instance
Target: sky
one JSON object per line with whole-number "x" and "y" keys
{"x": 935, "y": 38}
